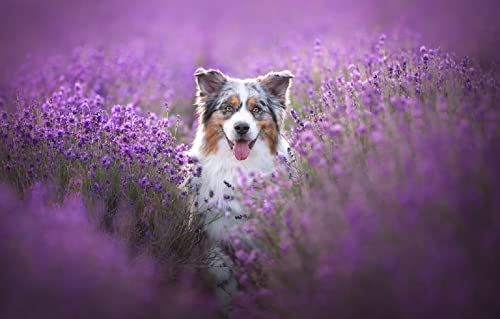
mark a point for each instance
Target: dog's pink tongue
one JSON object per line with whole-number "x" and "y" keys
{"x": 241, "y": 150}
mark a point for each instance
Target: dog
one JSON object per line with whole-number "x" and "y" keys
{"x": 239, "y": 132}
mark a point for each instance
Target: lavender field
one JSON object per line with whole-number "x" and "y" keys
{"x": 394, "y": 118}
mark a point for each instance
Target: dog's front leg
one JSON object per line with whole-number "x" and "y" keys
{"x": 221, "y": 269}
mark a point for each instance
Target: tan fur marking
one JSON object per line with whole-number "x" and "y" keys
{"x": 251, "y": 103}
{"x": 269, "y": 133}
{"x": 213, "y": 133}
{"x": 234, "y": 100}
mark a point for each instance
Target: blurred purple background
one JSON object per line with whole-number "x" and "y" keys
{"x": 41, "y": 28}
{"x": 399, "y": 140}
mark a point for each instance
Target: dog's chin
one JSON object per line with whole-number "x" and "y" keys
{"x": 241, "y": 147}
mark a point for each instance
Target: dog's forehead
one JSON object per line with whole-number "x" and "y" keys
{"x": 243, "y": 89}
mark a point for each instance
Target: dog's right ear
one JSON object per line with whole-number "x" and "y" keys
{"x": 209, "y": 81}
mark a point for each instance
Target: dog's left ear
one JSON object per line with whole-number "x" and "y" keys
{"x": 209, "y": 81}
{"x": 278, "y": 84}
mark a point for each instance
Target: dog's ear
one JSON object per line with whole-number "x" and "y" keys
{"x": 278, "y": 84}
{"x": 209, "y": 81}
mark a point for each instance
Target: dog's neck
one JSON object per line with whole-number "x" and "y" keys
{"x": 215, "y": 188}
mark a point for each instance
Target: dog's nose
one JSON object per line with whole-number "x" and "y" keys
{"x": 241, "y": 128}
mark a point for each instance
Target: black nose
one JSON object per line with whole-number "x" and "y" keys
{"x": 241, "y": 128}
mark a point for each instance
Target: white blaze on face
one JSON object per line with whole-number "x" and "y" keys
{"x": 241, "y": 148}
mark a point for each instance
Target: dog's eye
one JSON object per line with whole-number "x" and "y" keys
{"x": 228, "y": 108}
{"x": 257, "y": 109}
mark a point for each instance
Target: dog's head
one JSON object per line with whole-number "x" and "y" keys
{"x": 241, "y": 112}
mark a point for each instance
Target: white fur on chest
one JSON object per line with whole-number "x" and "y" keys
{"x": 219, "y": 178}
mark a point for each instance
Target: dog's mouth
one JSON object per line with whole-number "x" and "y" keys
{"x": 241, "y": 148}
